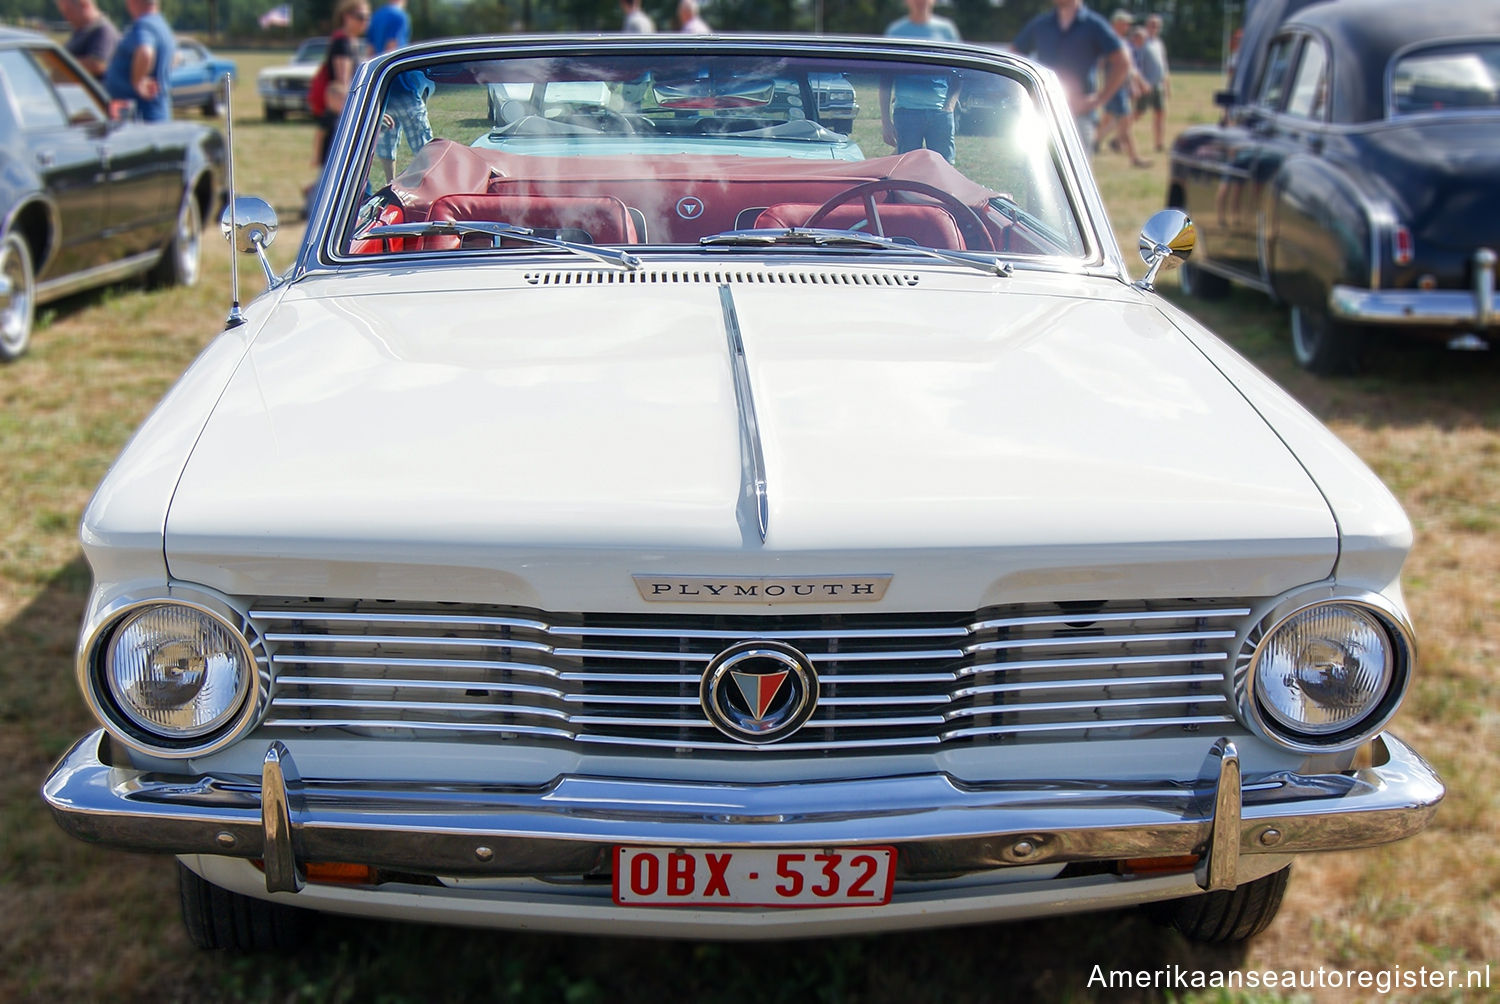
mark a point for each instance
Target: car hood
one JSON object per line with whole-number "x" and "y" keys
{"x": 539, "y": 443}
{"x": 1441, "y": 173}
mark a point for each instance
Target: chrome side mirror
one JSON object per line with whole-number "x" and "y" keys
{"x": 1167, "y": 241}
{"x": 251, "y": 224}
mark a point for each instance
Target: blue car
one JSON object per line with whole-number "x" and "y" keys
{"x": 198, "y": 78}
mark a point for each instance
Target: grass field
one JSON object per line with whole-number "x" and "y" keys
{"x": 79, "y": 923}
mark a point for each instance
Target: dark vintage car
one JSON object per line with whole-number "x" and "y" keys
{"x": 1353, "y": 176}
{"x": 85, "y": 200}
{"x": 197, "y": 81}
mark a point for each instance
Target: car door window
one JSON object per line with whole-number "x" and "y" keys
{"x": 81, "y": 103}
{"x": 1309, "y": 92}
{"x": 35, "y": 102}
{"x": 1278, "y": 66}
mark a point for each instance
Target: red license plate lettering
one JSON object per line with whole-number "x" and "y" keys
{"x": 750, "y": 876}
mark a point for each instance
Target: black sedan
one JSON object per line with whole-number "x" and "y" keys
{"x": 1354, "y": 174}
{"x": 85, "y": 200}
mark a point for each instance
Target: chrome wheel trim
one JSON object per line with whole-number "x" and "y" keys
{"x": 188, "y": 243}
{"x": 16, "y": 306}
{"x": 1305, "y": 336}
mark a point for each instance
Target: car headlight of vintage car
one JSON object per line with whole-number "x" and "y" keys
{"x": 1326, "y": 675}
{"x": 171, "y": 677}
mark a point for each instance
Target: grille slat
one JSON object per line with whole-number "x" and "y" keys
{"x": 1018, "y": 674}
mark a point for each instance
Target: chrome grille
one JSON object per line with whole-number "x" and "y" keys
{"x": 1023, "y": 674}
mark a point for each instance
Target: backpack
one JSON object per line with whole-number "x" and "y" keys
{"x": 317, "y": 88}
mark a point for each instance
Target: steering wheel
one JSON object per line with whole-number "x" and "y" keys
{"x": 976, "y": 235}
{"x": 605, "y": 120}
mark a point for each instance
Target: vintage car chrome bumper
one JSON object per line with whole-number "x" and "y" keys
{"x": 939, "y": 825}
{"x": 1447, "y": 308}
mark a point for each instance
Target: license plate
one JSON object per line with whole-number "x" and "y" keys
{"x": 745, "y": 876}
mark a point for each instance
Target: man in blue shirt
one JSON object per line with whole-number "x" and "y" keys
{"x": 923, "y": 109}
{"x": 141, "y": 63}
{"x": 1071, "y": 40}
{"x": 405, "y": 103}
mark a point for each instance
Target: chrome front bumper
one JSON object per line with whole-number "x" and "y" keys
{"x": 939, "y": 825}
{"x": 1443, "y": 308}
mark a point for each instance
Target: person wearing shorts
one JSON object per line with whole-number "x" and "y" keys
{"x": 406, "y": 99}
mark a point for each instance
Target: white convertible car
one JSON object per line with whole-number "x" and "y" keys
{"x": 652, "y": 511}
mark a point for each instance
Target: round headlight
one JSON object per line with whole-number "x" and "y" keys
{"x": 1324, "y": 670}
{"x": 177, "y": 671}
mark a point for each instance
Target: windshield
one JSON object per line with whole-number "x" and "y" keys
{"x": 619, "y": 148}
{"x": 1463, "y": 77}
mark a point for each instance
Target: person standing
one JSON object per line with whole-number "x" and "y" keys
{"x": 1151, "y": 61}
{"x": 690, "y": 21}
{"x": 406, "y": 100}
{"x": 344, "y": 50}
{"x": 637, "y": 22}
{"x": 916, "y": 110}
{"x": 1118, "y": 123}
{"x": 1073, "y": 40}
{"x": 140, "y": 65}
{"x": 94, "y": 36}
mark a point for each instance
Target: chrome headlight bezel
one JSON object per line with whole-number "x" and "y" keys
{"x": 252, "y": 694}
{"x": 1389, "y": 616}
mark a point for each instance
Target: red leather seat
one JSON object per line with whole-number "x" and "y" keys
{"x": 604, "y": 218}
{"x": 932, "y": 226}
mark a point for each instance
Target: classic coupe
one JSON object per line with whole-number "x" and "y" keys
{"x": 283, "y": 89}
{"x": 197, "y": 81}
{"x": 1353, "y": 176}
{"x": 655, "y": 512}
{"x": 85, "y": 200}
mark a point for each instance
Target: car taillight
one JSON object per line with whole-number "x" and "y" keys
{"x": 1401, "y": 246}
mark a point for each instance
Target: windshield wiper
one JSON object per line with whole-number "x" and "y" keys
{"x": 804, "y": 237}
{"x": 434, "y": 228}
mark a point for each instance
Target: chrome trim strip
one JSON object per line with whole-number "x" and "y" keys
{"x": 440, "y": 641}
{"x": 359, "y": 617}
{"x": 1119, "y": 702}
{"x": 1053, "y": 642}
{"x": 384, "y": 684}
{"x": 1084, "y": 617}
{"x": 378, "y": 660}
{"x": 99, "y": 275}
{"x": 1135, "y": 681}
{"x": 567, "y": 825}
{"x": 1105, "y": 660}
{"x": 752, "y": 455}
{"x": 1000, "y": 730}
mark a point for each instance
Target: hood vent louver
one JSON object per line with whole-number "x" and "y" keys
{"x": 718, "y": 277}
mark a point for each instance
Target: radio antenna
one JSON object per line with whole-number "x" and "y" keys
{"x": 236, "y": 316}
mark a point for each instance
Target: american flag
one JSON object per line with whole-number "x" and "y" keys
{"x": 277, "y": 17}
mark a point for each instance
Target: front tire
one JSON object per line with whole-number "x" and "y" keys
{"x": 1229, "y": 915}
{"x": 1202, "y": 285}
{"x": 219, "y": 919}
{"x": 1323, "y": 346}
{"x": 18, "y": 305}
{"x": 275, "y": 114}
{"x": 182, "y": 261}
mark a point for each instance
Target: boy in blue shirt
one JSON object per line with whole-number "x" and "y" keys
{"x": 405, "y": 103}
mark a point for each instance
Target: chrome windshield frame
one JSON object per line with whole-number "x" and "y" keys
{"x": 351, "y": 147}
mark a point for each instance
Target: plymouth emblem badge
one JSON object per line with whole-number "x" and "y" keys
{"x": 689, "y": 207}
{"x": 759, "y": 691}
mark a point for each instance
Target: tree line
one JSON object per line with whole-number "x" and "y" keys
{"x": 1194, "y": 29}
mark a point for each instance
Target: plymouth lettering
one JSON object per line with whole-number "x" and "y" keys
{"x": 763, "y": 590}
